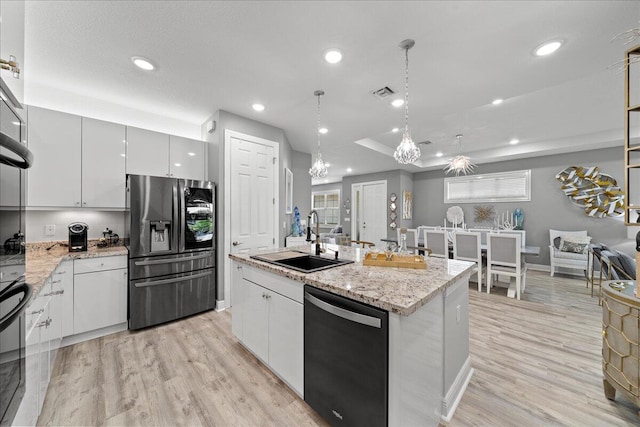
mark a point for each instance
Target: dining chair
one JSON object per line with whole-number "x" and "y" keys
{"x": 522, "y": 233}
{"x": 412, "y": 239}
{"x": 483, "y": 233}
{"x": 504, "y": 257}
{"x": 437, "y": 241}
{"x": 466, "y": 247}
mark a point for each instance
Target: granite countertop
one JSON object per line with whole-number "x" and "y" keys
{"x": 398, "y": 290}
{"x": 41, "y": 261}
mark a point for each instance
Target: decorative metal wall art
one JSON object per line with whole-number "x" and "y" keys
{"x": 596, "y": 192}
{"x": 407, "y": 205}
{"x": 483, "y": 213}
{"x": 392, "y": 207}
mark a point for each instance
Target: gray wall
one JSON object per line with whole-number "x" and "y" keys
{"x": 548, "y": 208}
{"x": 301, "y": 162}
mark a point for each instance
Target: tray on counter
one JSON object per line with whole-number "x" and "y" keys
{"x": 397, "y": 261}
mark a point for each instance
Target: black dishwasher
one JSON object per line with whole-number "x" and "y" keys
{"x": 346, "y": 353}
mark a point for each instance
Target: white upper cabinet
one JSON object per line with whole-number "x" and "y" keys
{"x": 157, "y": 154}
{"x": 147, "y": 152}
{"x": 55, "y": 140}
{"x": 103, "y": 164}
{"x": 12, "y": 44}
{"x": 187, "y": 158}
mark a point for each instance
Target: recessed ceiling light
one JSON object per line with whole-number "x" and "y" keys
{"x": 326, "y": 180}
{"x": 349, "y": 170}
{"x": 191, "y": 154}
{"x": 123, "y": 155}
{"x": 497, "y": 101}
{"x": 333, "y": 56}
{"x": 514, "y": 141}
{"x": 143, "y": 63}
{"x": 397, "y": 102}
{"x": 548, "y": 48}
{"x": 15, "y": 123}
{"x": 327, "y": 164}
{"x": 395, "y": 130}
{"x": 323, "y": 130}
{"x": 439, "y": 154}
{"x": 177, "y": 164}
{"x": 258, "y": 107}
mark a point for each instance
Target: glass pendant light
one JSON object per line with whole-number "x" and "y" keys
{"x": 407, "y": 152}
{"x": 319, "y": 167}
{"x": 459, "y": 163}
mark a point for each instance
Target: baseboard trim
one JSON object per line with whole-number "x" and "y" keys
{"x": 89, "y": 335}
{"x": 220, "y": 305}
{"x": 559, "y": 270}
{"x": 454, "y": 395}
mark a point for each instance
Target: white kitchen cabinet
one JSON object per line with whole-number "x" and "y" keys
{"x": 286, "y": 339}
{"x": 147, "y": 152}
{"x": 186, "y": 158}
{"x": 12, "y": 21}
{"x": 55, "y": 140}
{"x": 100, "y": 295}
{"x": 38, "y": 358}
{"x": 103, "y": 164}
{"x": 268, "y": 312}
{"x": 63, "y": 281}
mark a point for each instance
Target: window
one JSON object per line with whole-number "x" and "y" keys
{"x": 327, "y": 204}
{"x": 491, "y": 187}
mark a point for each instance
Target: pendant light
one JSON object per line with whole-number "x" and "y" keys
{"x": 459, "y": 163}
{"x": 407, "y": 152}
{"x": 319, "y": 167}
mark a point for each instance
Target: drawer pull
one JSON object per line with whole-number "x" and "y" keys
{"x": 54, "y": 293}
{"x": 61, "y": 272}
{"x": 604, "y": 333}
{"x": 37, "y": 311}
{"x": 56, "y": 281}
{"x": 44, "y": 323}
{"x": 172, "y": 261}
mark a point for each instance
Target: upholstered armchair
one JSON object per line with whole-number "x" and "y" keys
{"x": 568, "y": 249}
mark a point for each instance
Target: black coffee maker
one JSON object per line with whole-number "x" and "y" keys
{"x": 78, "y": 237}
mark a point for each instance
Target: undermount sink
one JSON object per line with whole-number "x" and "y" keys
{"x": 300, "y": 261}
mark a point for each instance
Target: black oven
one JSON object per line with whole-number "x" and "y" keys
{"x": 14, "y": 293}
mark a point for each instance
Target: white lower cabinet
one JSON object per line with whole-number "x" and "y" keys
{"x": 99, "y": 293}
{"x": 267, "y": 317}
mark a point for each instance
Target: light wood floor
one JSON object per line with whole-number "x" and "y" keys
{"x": 537, "y": 363}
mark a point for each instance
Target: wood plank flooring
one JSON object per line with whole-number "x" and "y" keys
{"x": 537, "y": 362}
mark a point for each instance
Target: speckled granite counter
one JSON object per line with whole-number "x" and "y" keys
{"x": 41, "y": 262}
{"x": 398, "y": 290}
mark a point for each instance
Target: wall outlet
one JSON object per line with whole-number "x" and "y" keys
{"x": 458, "y": 314}
{"x": 284, "y": 225}
{"x": 49, "y": 230}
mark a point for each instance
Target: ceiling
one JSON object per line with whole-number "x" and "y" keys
{"x": 228, "y": 55}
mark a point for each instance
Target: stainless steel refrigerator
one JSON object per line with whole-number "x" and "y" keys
{"x": 171, "y": 241}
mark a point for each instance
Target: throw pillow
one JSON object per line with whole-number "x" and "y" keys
{"x": 556, "y": 242}
{"x": 576, "y": 245}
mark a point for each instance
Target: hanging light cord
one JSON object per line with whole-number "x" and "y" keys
{"x": 318, "y": 127}
{"x": 406, "y": 90}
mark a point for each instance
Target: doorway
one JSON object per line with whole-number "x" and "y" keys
{"x": 250, "y": 200}
{"x": 369, "y": 204}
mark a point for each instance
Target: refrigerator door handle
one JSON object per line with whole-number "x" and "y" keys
{"x": 341, "y": 312}
{"x": 171, "y": 261}
{"x": 168, "y": 281}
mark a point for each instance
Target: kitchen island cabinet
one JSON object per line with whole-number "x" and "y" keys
{"x": 429, "y": 364}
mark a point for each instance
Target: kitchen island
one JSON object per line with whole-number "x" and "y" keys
{"x": 428, "y": 327}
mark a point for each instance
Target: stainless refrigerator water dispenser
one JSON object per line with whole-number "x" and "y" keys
{"x": 160, "y": 236}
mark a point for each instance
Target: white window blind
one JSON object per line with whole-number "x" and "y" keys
{"x": 512, "y": 186}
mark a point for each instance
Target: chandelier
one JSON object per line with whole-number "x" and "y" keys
{"x": 407, "y": 152}
{"x": 460, "y": 163}
{"x": 319, "y": 167}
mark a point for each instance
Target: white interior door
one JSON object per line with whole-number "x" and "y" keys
{"x": 251, "y": 198}
{"x": 371, "y": 211}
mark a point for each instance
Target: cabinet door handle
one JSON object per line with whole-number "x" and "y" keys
{"x": 61, "y": 272}
{"x": 236, "y": 243}
{"x": 54, "y": 293}
{"x": 44, "y": 323}
{"x": 56, "y": 281}
{"x": 37, "y": 311}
